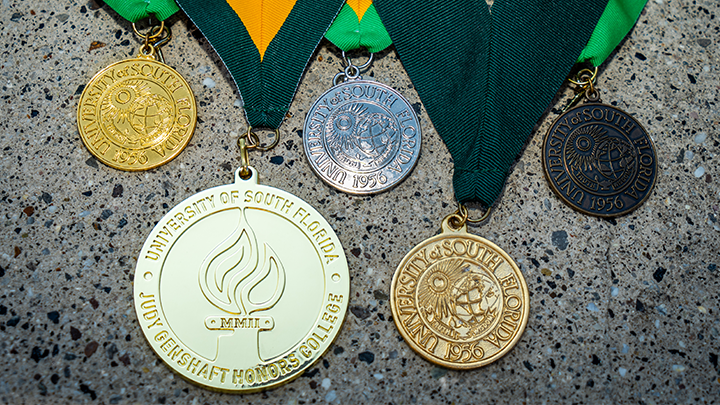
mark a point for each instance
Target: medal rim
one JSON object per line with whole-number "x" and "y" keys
{"x": 345, "y": 305}
{"x": 416, "y": 157}
{"x": 428, "y": 356}
{"x": 169, "y": 157}
{"x": 543, "y": 157}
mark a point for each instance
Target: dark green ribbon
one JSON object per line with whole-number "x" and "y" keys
{"x": 267, "y": 87}
{"x": 486, "y": 77}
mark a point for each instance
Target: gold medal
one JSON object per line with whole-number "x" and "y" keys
{"x": 241, "y": 287}
{"x": 459, "y": 300}
{"x": 139, "y": 113}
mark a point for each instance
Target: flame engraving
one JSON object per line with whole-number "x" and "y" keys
{"x": 231, "y": 271}
{"x": 227, "y": 276}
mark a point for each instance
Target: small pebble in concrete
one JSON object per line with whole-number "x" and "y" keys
{"x": 559, "y": 239}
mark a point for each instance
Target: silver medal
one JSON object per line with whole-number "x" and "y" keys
{"x": 361, "y": 136}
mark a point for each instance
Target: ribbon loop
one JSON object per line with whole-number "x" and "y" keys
{"x": 136, "y": 10}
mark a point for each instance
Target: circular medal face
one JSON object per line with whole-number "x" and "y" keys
{"x": 136, "y": 114}
{"x": 599, "y": 160}
{"x": 362, "y": 137}
{"x": 459, "y": 300}
{"x": 241, "y": 287}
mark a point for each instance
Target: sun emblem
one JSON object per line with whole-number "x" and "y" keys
{"x": 582, "y": 146}
{"x": 458, "y": 299}
{"x": 361, "y": 134}
{"x": 340, "y": 128}
{"x": 438, "y": 298}
{"x": 134, "y": 114}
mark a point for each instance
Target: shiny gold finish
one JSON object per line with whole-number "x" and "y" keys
{"x": 244, "y": 159}
{"x": 584, "y": 77}
{"x": 241, "y": 287}
{"x": 137, "y": 114}
{"x": 459, "y": 300}
{"x": 153, "y": 33}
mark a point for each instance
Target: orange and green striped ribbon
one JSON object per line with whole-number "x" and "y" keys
{"x": 265, "y": 45}
{"x": 358, "y": 26}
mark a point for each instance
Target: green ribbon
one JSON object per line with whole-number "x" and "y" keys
{"x": 616, "y": 21}
{"x": 267, "y": 86}
{"x": 485, "y": 77}
{"x": 348, "y": 32}
{"x": 134, "y": 10}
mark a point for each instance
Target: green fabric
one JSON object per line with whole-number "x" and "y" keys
{"x": 485, "y": 78}
{"x": 134, "y": 10}
{"x": 347, "y": 33}
{"x": 267, "y": 87}
{"x": 617, "y": 19}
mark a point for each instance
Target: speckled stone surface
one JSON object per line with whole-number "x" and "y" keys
{"x": 622, "y": 311}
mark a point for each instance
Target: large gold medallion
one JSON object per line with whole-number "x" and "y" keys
{"x": 241, "y": 287}
{"x": 136, "y": 114}
{"x": 459, "y": 300}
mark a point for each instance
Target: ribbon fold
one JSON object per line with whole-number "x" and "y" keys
{"x": 358, "y": 26}
{"x": 265, "y": 45}
{"x": 485, "y": 77}
{"x": 135, "y": 10}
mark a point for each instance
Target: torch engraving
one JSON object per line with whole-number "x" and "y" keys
{"x": 227, "y": 276}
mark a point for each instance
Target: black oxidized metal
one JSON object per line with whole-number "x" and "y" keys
{"x": 599, "y": 160}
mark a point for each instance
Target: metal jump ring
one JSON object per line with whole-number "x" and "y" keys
{"x": 152, "y": 34}
{"x": 455, "y": 220}
{"x": 163, "y": 40}
{"x": 464, "y": 211}
{"x": 337, "y": 78}
{"x": 254, "y": 140}
{"x": 350, "y": 74}
{"x": 593, "y": 75}
{"x": 150, "y": 49}
{"x": 363, "y": 66}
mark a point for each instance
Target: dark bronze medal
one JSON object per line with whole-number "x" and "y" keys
{"x": 599, "y": 159}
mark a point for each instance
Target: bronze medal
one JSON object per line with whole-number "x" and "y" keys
{"x": 598, "y": 159}
{"x": 459, "y": 300}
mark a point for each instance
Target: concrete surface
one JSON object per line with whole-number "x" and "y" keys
{"x": 623, "y": 311}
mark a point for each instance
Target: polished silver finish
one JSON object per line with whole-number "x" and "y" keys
{"x": 362, "y": 137}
